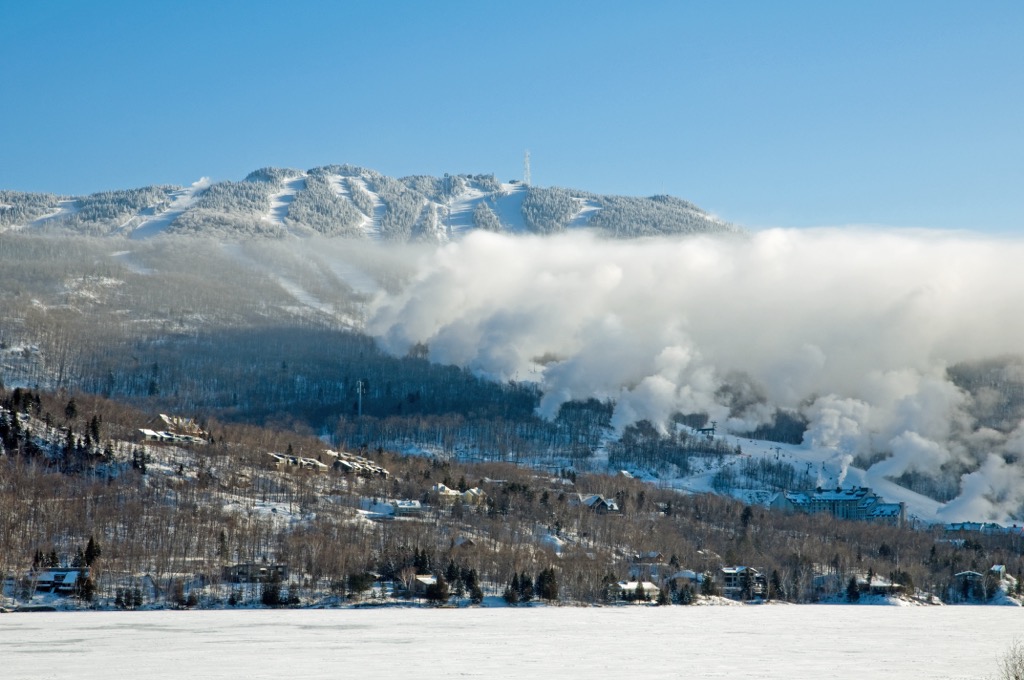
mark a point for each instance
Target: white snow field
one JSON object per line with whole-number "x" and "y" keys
{"x": 818, "y": 642}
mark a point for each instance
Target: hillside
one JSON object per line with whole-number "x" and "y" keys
{"x": 351, "y": 202}
{"x": 172, "y": 512}
{"x": 464, "y": 318}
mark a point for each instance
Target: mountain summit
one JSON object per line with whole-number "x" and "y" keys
{"x": 353, "y": 202}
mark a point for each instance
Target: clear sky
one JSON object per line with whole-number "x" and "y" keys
{"x": 765, "y": 113}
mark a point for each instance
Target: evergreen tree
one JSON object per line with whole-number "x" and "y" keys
{"x": 92, "y": 551}
{"x": 852, "y": 590}
{"x": 547, "y": 585}
{"x": 437, "y": 592}
{"x": 525, "y": 588}
{"x": 270, "y": 593}
{"x": 511, "y": 593}
{"x": 476, "y": 596}
{"x": 86, "y": 589}
{"x": 746, "y": 584}
{"x": 776, "y": 588}
{"x": 640, "y": 595}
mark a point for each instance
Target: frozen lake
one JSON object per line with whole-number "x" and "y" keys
{"x": 667, "y": 642}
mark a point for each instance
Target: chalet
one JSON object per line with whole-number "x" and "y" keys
{"x": 650, "y": 566}
{"x": 685, "y": 578}
{"x": 350, "y": 463}
{"x": 628, "y": 591}
{"x": 733, "y": 579}
{"x": 408, "y": 508}
{"x": 164, "y": 437}
{"x": 185, "y": 425}
{"x": 279, "y": 460}
{"x": 312, "y": 464}
{"x": 595, "y": 502}
{"x": 254, "y": 573}
{"x": 968, "y": 585}
{"x": 60, "y": 581}
{"x": 421, "y": 582}
{"x": 474, "y": 496}
{"x": 877, "y": 585}
{"x": 445, "y": 495}
{"x": 174, "y": 430}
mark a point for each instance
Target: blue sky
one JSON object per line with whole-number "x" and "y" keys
{"x": 765, "y": 113}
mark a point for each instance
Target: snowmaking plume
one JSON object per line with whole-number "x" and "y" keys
{"x": 853, "y": 328}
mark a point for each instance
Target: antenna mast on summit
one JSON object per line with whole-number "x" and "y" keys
{"x": 526, "y": 168}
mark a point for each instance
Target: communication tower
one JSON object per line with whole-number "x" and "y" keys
{"x": 526, "y": 168}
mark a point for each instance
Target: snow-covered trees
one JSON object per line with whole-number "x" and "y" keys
{"x": 485, "y": 218}
{"x": 548, "y": 211}
{"x": 320, "y": 208}
{"x": 625, "y": 216}
{"x": 231, "y": 209}
{"x": 336, "y": 199}
{"x": 402, "y": 207}
{"x": 18, "y": 207}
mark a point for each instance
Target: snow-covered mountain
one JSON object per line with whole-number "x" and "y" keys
{"x": 354, "y": 202}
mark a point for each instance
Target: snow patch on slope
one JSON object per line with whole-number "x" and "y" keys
{"x": 156, "y": 220}
{"x": 509, "y": 207}
{"x": 65, "y": 208}
{"x": 371, "y": 225}
{"x": 460, "y": 210}
{"x": 582, "y": 218}
{"x": 282, "y": 200}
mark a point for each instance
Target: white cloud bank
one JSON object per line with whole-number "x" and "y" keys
{"x": 853, "y": 327}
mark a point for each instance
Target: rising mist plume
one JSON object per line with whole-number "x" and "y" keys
{"x": 852, "y": 328}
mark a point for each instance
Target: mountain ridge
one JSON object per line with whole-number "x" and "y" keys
{"x": 352, "y": 202}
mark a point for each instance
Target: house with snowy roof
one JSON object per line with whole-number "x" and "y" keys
{"x": 595, "y": 502}
{"x": 733, "y": 581}
{"x": 421, "y": 582}
{"x": 408, "y": 508}
{"x": 685, "y": 578}
{"x": 63, "y": 581}
{"x": 873, "y": 584}
{"x": 650, "y": 566}
{"x": 253, "y": 572}
{"x": 631, "y": 591}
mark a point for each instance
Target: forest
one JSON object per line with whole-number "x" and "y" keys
{"x": 163, "y": 521}
{"x": 338, "y": 201}
{"x": 100, "y": 335}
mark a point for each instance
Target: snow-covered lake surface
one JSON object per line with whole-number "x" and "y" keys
{"x": 668, "y": 642}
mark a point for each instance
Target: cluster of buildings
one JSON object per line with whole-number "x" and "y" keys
{"x": 447, "y": 496}
{"x": 855, "y": 502}
{"x": 984, "y": 528}
{"x": 339, "y": 461}
{"x": 177, "y": 430}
